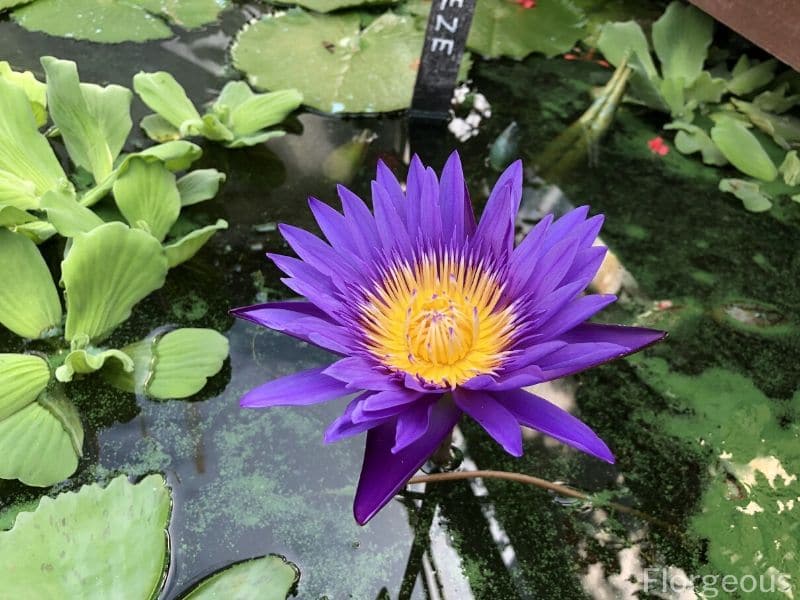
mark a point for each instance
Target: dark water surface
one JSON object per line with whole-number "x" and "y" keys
{"x": 248, "y": 483}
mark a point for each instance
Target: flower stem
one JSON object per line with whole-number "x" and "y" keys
{"x": 443, "y": 455}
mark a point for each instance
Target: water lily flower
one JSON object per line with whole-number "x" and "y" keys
{"x": 435, "y": 315}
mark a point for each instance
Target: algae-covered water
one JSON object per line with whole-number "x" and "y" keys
{"x": 702, "y": 425}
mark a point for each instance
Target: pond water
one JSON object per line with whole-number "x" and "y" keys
{"x": 248, "y": 483}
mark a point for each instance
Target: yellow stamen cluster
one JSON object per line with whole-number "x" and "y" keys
{"x": 438, "y": 319}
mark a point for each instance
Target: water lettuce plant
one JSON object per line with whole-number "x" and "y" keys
{"x": 113, "y": 542}
{"x": 237, "y": 118}
{"x": 728, "y": 116}
{"x": 108, "y": 264}
{"x": 434, "y": 315}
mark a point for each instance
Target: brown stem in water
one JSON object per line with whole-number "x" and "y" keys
{"x": 443, "y": 455}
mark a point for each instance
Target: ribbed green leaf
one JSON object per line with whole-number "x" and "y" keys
{"x": 22, "y": 379}
{"x": 681, "y": 37}
{"x": 11, "y": 216}
{"x": 165, "y": 96}
{"x": 147, "y": 193}
{"x": 34, "y": 89}
{"x": 159, "y": 129}
{"x": 743, "y": 149}
{"x": 267, "y": 578}
{"x": 95, "y": 543}
{"x": 29, "y": 303}
{"x": 199, "y": 185}
{"x": 107, "y": 271}
{"x": 89, "y": 360}
{"x": 18, "y": 192}
{"x": 263, "y": 110}
{"x": 749, "y": 192}
{"x": 67, "y": 215}
{"x": 186, "y": 247}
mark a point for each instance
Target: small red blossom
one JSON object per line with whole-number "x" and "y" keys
{"x": 658, "y": 146}
{"x": 526, "y": 3}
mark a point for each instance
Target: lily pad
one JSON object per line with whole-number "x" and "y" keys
{"x": 111, "y": 22}
{"x": 106, "y": 272}
{"x": 738, "y": 144}
{"x": 41, "y": 443}
{"x": 505, "y": 28}
{"x": 147, "y": 196}
{"x": 337, "y": 66}
{"x": 325, "y": 6}
{"x": 186, "y": 247}
{"x": 749, "y": 192}
{"x": 22, "y": 378}
{"x": 95, "y": 543}
{"x": 29, "y": 303}
{"x": 173, "y": 365}
{"x": 267, "y": 578}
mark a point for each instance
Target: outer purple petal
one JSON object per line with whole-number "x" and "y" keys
{"x": 412, "y": 424}
{"x": 344, "y": 426}
{"x": 298, "y": 389}
{"x": 384, "y": 473}
{"x": 452, "y": 199}
{"x": 319, "y": 255}
{"x": 575, "y": 313}
{"x": 386, "y": 179}
{"x": 493, "y": 417}
{"x": 360, "y": 221}
{"x": 391, "y": 228}
{"x": 566, "y": 226}
{"x": 359, "y": 374}
{"x": 333, "y": 225}
{"x": 532, "y": 411}
{"x": 496, "y": 227}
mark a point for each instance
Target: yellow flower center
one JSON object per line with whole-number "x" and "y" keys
{"x": 438, "y": 319}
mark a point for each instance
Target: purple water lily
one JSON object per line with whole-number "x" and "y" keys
{"x": 435, "y": 315}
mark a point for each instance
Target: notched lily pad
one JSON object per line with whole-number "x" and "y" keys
{"x": 267, "y": 578}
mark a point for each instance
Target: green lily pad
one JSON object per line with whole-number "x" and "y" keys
{"x": 199, "y": 185}
{"x": 267, "y": 578}
{"x": 111, "y": 22}
{"x": 25, "y": 152}
{"x": 29, "y": 303}
{"x": 681, "y": 37}
{"x": 749, "y": 192}
{"x": 148, "y": 197}
{"x": 174, "y": 365}
{"x": 41, "y": 443}
{"x": 93, "y": 121}
{"x": 67, "y": 215}
{"x": 22, "y": 378}
{"x": 504, "y": 28}
{"x": 35, "y": 90}
{"x": 738, "y": 144}
{"x": 325, "y": 6}
{"x": 94, "y": 543}
{"x": 107, "y": 271}
{"x": 337, "y": 66}
{"x": 186, "y": 247}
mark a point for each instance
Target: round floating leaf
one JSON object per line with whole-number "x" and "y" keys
{"x": 175, "y": 365}
{"x": 738, "y": 144}
{"x": 22, "y": 379}
{"x": 146, "y": 193}
{"x": 267, "y": 578}
{"x": 106, "y": 272}
{"x": 186, "y": 247}
{"x": 29, "y": 303}
{"x": 95, "y": 543}
{"x": 504, "y": 28}
{"x": 40, "y": 444}
{"x": 110, "y": 22}
{"x": 199, "y": 185}
{"x": 25, "y": 152}
{"x": 336, "y": 66}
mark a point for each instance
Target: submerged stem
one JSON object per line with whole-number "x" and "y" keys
{"x": 443, "y": 455}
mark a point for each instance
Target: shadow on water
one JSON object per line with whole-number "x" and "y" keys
{"x": 248, "y": 483}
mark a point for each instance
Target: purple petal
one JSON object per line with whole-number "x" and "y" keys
{"x": 530, "y": 375}
{"x": 391, "y": 229}
{"x": 452, "y": 199}
{"x": 632, "y": 338}
{"x": 586, "y": 264}
{"x": 390, "y": 399}
{"x": 333, "y": 226}
{"x": 298, "y": 389}
{"x": 317, "y": 253}
{"x": 412, "y": 424}
{"x": 566, "y": 226}
{"x": 414, "y": 185}
{"x": 386, "y": 179}
{"x": 531, "y": 354}
{"x": 493, "y": 417}
{"x": 551, "y": 268}
{"x": 360, "y": 222}
{"x": 532, "y": 411}
{"x": 430, "y": 213}
{"x": 575, "y": 313}
{"x": 344, "y": 426}
{"x": 321, "y": 288}
{"x": 496, "y": 227}
{"x": 360, "y": 374}
{"x": 384, "y": 473}
{"x": 526, "y": 255}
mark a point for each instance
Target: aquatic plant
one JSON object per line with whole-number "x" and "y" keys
{"x": 112, "y": 542}
{"x": 237, "y": 118}
{"x": 107, "y": 266}
{"x": 729, "y": 117}
{"x": 436, "y": 315}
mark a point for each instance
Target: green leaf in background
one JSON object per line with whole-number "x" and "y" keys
{"x": 107, "y": 271}
{"x": 36, "y": 231}
{"x": 747, "y": 78}
{"x": 25, "y": 152}
{"x": 11, "y": 216}
{"x": 186, "y": 247}
{"x": 749, "y": 192}
{"x": 336, "y": 66}
{"x": 94, "y": 122}
{"x": 89, "y": 360}
{"x": 503, "y": 28}
{"x": 29, "y": 303}
{"x": 738, "y": 144}
{"x": 246, "y": 113}
{"x": 199, "y": 185}
{"x": 22, "y": 378}
{"x": 775, "y": 100}
{"x": 158, "y": 129}
{"x": 41, "y": 443}
{"x": 34, "y": 89}
{"x": 166, "y": 97}
{"x": 111, "y": 22}
{"x": 681, "y": 37}
{"x": 94, "y": 543}
{"x": 790, "y": 168}
{"x": 267, "y": 578}
{"x": 325, "y": 6}
{"x": 17, "y": 192}
{"x": 67, "y": 215}
{"x": 691, "y": 138}
{"x": 174, "y": 365}
{"x": 147, "y": 196}
{"x": 784, "y": 129}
